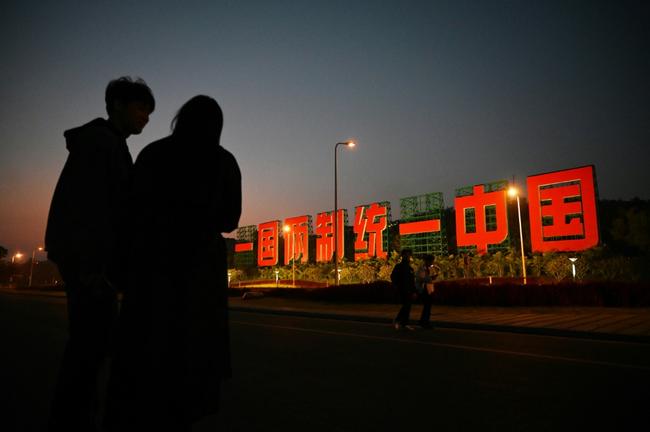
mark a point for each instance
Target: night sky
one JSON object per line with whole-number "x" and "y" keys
{"x": 439, "y": 95}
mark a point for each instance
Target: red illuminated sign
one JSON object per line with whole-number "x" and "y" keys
{"x": 420, "y": 227}
{"x": 562, "y": 215}
{"x": 267, "y": 243}
{"x": 244, "y": 247}
{"x": 562, "y": 208}
{"x": 370, "y": 223}
{"x": 472, "y": 228}
{"x": 296, "y": 233}
{"x": 325, "y": 233}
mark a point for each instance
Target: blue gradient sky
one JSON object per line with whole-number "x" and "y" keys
{"x": 439, "y": 95}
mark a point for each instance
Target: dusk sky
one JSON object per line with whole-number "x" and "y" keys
{"x": 438, "y": 94}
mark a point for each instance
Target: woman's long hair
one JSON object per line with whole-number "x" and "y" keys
{"x": 199, "y": 118}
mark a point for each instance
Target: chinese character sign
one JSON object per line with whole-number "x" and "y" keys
{"x": 267, "y": 243}
{"x": 325, "y": 233}
{"x": 562, "y": 216}
{"x": 296, "y": 239}
{"x": 562, "y": 208}
{"x": 421, "y": 224}
{"x": 481, "y": 219}
{"x": 370, "y": 225}
{"x": 243, "y": 247}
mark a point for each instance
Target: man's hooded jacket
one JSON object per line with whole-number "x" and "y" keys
{"x": 87, "y": 216}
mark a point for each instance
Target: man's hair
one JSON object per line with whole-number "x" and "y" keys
{"x": 125, "y": 90}
{"x": 407, "y": 252}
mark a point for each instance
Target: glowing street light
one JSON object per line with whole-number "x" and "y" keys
{"x": 288, "y": 229}
{"x": 277, "y": 277}
{"x": 573, "y": 266}
{"x": 349, "y": 144}
{"x": 514, "y": 193}
{"x": 16, "y": 256}
{"x": 31, "y": 268}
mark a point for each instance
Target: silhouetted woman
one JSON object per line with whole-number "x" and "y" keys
{"x": 173, "y": 348}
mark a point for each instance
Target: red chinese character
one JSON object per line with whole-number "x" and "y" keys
{"x": 482, "y": 235}
{"x": 296, "y": 230}
{"x": 420, "y": 227}
{"x": 562, "y": 208}
{"x": 373, "y": 221}
{"x": 325, "y": 232}
{"x": 244, "y": 247}
{"x": 267, "y": 243}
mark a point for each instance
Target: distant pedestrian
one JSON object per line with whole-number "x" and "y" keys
{"x": 173, "y": 341}
{"x": 403, "y": 278}
{"x": 85, "y": 228}
{"x": 424, "y": 285}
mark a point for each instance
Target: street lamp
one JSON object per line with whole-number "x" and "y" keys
{"x": 513, "y": 192}
{"x": 31, "y": 268}
{"x": 573, "y": 266}
{"x": 336, "y": 209}
{"x": 16, "y": 256}
{"x": 287, "y": 229}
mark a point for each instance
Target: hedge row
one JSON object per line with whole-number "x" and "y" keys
{"x": 480, "y": 292}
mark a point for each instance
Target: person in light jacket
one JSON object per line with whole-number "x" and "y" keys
{"x": 424, "y": 285}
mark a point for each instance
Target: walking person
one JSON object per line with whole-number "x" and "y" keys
{"x": 424, "y": 285}
{"x": 173, "y": 340}
{"x": 85, "y": 224}
{"x": 403, "y": 278}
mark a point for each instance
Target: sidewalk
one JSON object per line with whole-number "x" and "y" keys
{"x": 623, "y": 324}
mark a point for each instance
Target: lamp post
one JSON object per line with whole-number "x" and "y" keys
{"x": 573, "y": 267}
{"x": 17, "y": 255}
{"x": 513, "y": 192}
{"x": 31, "y": 267}
{"x": 14, "y": 257}
{"x": 287, "y": 229}
{"x": 336, "y": 210}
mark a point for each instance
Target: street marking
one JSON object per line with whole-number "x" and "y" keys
{"x": 451, "y": 346}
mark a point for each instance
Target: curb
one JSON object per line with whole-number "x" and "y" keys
{"x": 538, "y": 331}
{"x": 56, "y": 294}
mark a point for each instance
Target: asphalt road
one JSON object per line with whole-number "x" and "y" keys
{"x": 306, "y": 374}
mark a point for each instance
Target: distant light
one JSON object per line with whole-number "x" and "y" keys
{"x": 351, "y": 143}
{"x": 573, "y": 266}
{"x": 512, "y": 191}
{"x": 286, "y": 228}
{"x": 18, "y": 255}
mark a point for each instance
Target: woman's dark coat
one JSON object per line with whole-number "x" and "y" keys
{"x": 173, "y": 349}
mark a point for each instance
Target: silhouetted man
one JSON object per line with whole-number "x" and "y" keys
{"x": 85, "y": 229}
{"x": 403, "y": 278}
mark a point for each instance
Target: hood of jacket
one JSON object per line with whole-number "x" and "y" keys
{"x": 77, "y": 137}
